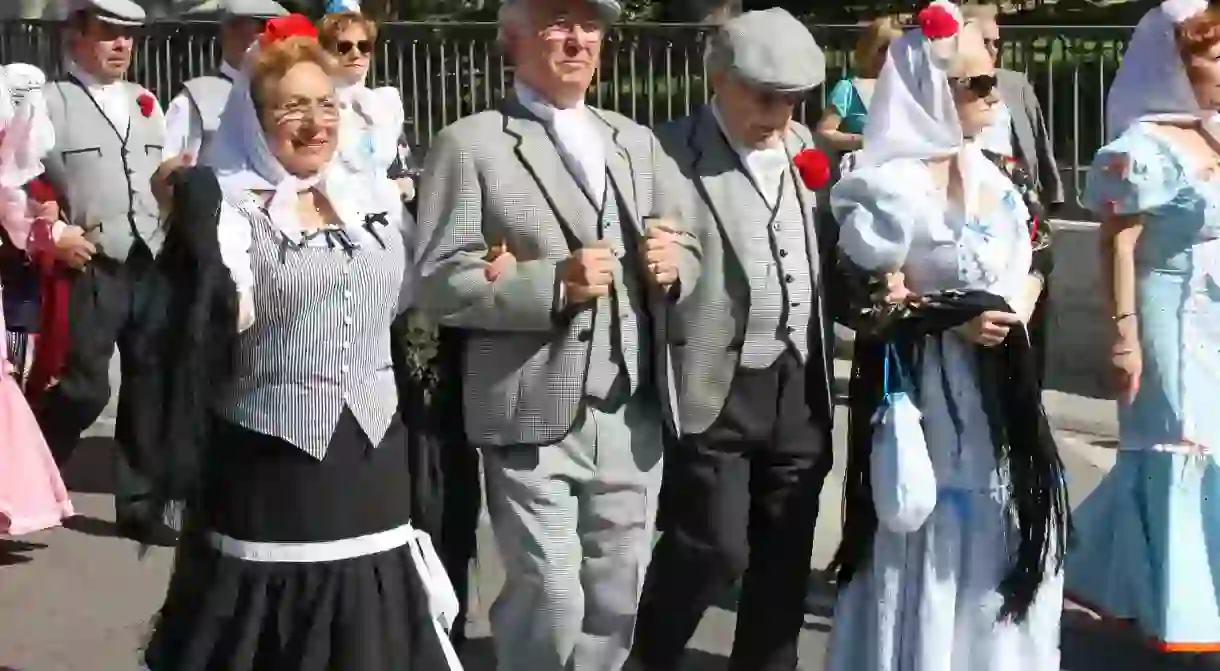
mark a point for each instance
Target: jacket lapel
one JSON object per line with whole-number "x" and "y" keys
{"x": 723, "y": 184}
{"x": 540, "y": 158}
{"x": 618, "y": 164}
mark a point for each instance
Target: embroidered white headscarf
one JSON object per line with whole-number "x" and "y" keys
{"x": 912, "y": 114}
{"x": 243, "y": 163}
{"x": 26, "y": 136}
{"x": 1151, "y": 84}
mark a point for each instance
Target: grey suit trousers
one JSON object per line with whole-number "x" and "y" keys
{"x": 574, "y": 523}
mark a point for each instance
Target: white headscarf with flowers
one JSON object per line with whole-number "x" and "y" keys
{"x": 26, "y": 136}
{"x": 1151, "y": 84}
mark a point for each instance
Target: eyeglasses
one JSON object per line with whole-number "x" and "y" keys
{"x": 344, "y": 47}
{"x": 980, "y": 85}
{"x": 324, "y": 112}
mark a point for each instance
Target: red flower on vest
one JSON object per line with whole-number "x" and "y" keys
{"x": 936, "y": 23}
{"x": 814, "y": 168}
{"x": 284, "y": 27}
{"x": 147, "y": 104}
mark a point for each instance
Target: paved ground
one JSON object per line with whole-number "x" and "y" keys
{"x": 79, "y": 599}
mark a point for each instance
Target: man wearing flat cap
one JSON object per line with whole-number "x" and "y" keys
{"x": 194, "y": 114}
{"x": 567, "y": 380}
{"x": 751, "y": 341}
{"x": 108, "y": 138}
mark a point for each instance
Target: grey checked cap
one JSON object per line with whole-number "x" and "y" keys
{"x": 769, "y": 49}
{"x": 117, "y": 12}
{"x": 252, "y": 9}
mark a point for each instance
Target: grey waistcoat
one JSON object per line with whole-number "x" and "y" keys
{"x": 781, "y": 288}
{"x": 104, "y": 176}
{"x": 616, "y": 326}
{"x": 320, "y": 339}
{"x": 207, "y": 95}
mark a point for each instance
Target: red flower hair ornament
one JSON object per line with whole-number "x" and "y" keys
{"x": 938, "y": 22}
{"x": 283, "y": 27}
{"x": 813, "y": 167}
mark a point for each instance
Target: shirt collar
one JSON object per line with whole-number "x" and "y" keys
{"x": 540, "y": 106}
{"x": 89, "y": 80}
{"x": 229, "y": 71}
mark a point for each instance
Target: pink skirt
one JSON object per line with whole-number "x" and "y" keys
{"x": 32, "y": 493}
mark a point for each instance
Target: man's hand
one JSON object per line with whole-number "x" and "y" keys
{"x": 499, "y": 260}
{"x": 896, "y": 290}
{"x": 161, "y": 189}
{"x": 589, "y": 273}
{"x": 72, "y": 249}
{"x": 990, "y": 328}
{"x": 661, "y": 252}
{"x": 406, "y": 188}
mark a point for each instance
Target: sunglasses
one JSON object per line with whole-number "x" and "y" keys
{"x": 344, "y": 47}
{"x": 979, "y": 85}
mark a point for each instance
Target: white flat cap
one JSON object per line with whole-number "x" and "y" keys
{"x": 117, "y": 12}
{"x": 771, "y": 50}
{"x": 253, "y": 9}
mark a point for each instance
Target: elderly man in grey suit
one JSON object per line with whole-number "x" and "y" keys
{"x": 754, "y": 396}
{"x": 567, "y": 387}
{"x": 1020, "y": 130}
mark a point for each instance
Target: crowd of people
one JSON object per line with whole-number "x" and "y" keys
{"x": 608, "y": 332}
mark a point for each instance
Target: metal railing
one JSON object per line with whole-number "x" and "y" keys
{"x": 650, "y": 72}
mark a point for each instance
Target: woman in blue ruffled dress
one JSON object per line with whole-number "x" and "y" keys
{"x": 1148, "y": 548}
{"x": 936, "y": 247}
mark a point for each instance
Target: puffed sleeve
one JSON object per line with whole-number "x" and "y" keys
{"x": 233, "y": 233}
{"x": 1132, "y": 175}
{"x": 875, "y": 217}
{"x": 390, "y": 119}
{"x": 876, "y": 225}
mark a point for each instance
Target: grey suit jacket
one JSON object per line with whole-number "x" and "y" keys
{"x": 707, "y": 330}
{"x": 1031, "y": 135}
{"x": 497, "y": 177}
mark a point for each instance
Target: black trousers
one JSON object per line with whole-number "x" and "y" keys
{"x": 105, "y": 305}
{"x": 745, "y": 506}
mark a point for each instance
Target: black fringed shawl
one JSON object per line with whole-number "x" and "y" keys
{"x": 186, "y": 341}
{"x": 1010, "y": 380}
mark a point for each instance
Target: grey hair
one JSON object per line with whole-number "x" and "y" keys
{"x": 719, "y": 55}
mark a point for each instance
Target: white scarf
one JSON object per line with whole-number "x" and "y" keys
{"x": 1151, "y": 84}
{"x": 243, "y": 163}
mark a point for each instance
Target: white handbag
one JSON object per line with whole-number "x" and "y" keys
{"x": 442, "y": 599}
{"x": 903, "y": 480}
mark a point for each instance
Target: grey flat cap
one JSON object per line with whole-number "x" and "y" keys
{"x": 609, "y": 10}
{"x": 117, "y": 12}
{"x": 771, "y": 50}
{"x": 252, "y": 9}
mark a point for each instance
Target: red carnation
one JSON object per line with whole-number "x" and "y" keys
{"x": 937, "y": 23}
{"x": 40, "y": 191}
{"x": 814, "y": 167}
{"x": 284, "y": 27}
{"x": 147, "y": 104}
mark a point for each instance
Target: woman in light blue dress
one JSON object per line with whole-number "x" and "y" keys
{"x": 1148, "y": 543}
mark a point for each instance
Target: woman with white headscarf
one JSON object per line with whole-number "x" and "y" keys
{"x": 1149, "y": 542}
{"x": 936, "y": 242}
{"x": 275, "y": 408}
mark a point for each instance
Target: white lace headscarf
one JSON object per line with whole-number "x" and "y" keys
{"x": 26, "y": 136}
{"x": 1151, "y": 84}
{"x": 243, "y": 162}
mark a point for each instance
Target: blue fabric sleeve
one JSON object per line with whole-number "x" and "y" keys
{"x": 1134, "y": 174}
{"x": 840, "y": 98}
{"x": 876, "y": 219}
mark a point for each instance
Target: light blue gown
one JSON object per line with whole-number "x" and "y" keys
{"x": 1147, "y": 546}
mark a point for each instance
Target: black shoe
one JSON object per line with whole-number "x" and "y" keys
{"x": 148, "y": 533}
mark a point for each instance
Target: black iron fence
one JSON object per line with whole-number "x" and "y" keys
{"x": 650, "y": 72}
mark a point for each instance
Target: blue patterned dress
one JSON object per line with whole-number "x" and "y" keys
{"x": 1148, "y": 538}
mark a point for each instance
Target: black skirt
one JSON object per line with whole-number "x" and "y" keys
{"x": 366, "y": 613}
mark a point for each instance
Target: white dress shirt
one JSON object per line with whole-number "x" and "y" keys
{"x": 113, "y": 98}
{"x": 765, "y": 166}
{"x": 577, "y": 137}
{"x": 183, "y": 127}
